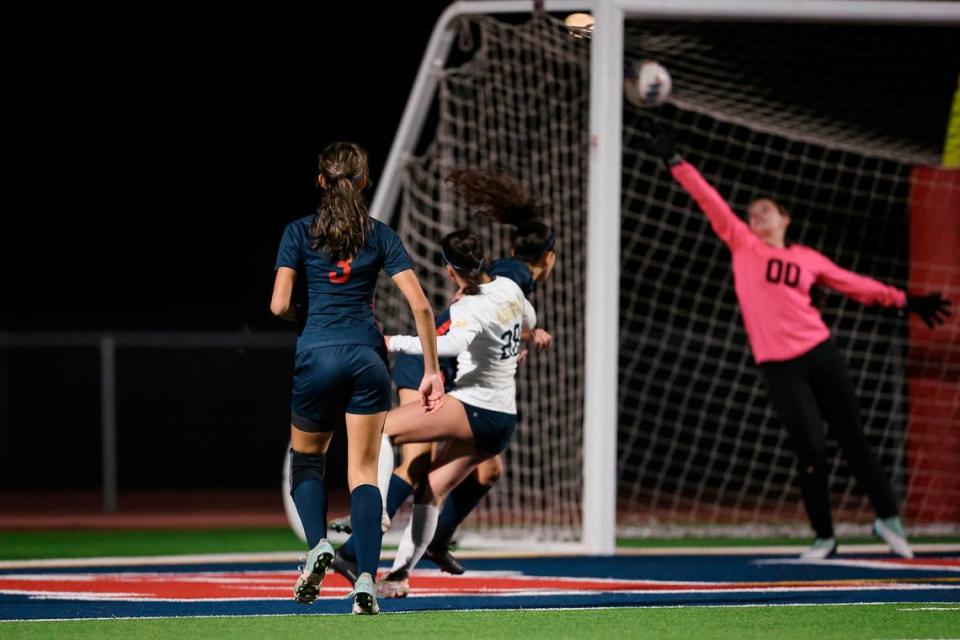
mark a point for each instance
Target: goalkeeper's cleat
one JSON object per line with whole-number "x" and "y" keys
{"x": 890, "y": 530}
{"x": 821, "y": 549}
{"x": 444, "y": 559}
{"x": 314, "y": 566}
{"x": 345, "y": 567}
{"x": 395, "y": 584}
{"x": 365, "y": 596}
{"x": 341, "y": 525}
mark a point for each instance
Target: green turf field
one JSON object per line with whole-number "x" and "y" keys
{"x": 821, "y": 622}
{"x": 20, "y": 545}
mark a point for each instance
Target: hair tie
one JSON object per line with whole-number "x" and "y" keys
{"x": 457, "y": 267}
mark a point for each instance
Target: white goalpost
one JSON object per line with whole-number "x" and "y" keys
{"x": 647, "y": 416}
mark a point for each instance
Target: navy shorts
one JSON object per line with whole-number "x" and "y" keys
{"x": 408, "y": 371}
{"x": 492, "y": 430}
{"x": 331, "y": 381}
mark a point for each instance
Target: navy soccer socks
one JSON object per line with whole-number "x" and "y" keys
{"x": 309, "y": 494}
{"x": 366, "y": 505}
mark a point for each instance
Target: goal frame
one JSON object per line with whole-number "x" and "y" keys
{"x": 604, "y": 170}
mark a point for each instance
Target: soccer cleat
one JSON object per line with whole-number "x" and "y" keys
{"x": 890, "y": 530}
{"x": 345, "y": 567}
{"x": 395, "y": 584}
{"x": 315, "y": 564}
{"x": 821, "y": 549}
{"x": 365, "y": 596}
{"x": 341, "y": 525}
{"x": 445, "y": 560}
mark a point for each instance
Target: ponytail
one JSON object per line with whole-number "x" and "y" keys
{"x": 499, "y": 196}
{"x": 340, "y": 224}
{"x": 504, "y": 199}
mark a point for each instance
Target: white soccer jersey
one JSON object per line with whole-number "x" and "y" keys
{"x": 484, "y": 336}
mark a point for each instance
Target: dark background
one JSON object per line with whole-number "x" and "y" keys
{"x": 153, "y": 160}
{"x": 157, "y": 160}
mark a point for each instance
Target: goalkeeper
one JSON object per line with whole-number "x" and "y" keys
{"x": 803, "y": 370}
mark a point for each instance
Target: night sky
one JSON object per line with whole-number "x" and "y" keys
{"x": 153, "y": 164}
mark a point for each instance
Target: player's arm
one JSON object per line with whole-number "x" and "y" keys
{"x": 281, "y": 303}
{"x": 289, "y": 257}
{"x": 726, "y": 224}
{"x": 463, "y": 330}
{"x": 431, "y": 386}
{"x": 933, "y": 308}
{"x": 853, "y": 285}
{"x": 410, "y": 287}
{"x": 399, "y": 267}
{"x": 530, "y": 332}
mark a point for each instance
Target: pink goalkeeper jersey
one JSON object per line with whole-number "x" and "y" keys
{"x": 773, "y": 285}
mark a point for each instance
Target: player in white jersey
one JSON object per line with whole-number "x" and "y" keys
{"x": 484, "y": 335}
{"x": 479, "y": 417}
{"x": 506, "y": 200}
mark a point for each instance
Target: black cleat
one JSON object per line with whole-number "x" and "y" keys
{"x": 346, "y": 568}
{"x": 445, "y": 560}
{"x": 341, "y": 525}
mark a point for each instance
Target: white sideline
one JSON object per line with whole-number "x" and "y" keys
{"x": 405, "y": 613}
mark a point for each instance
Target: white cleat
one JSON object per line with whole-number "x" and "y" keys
{"x": 314, "y": 566}
{"x": 890, "y": 530}
{"x": 365, "y": 596}
{"x": 821, "y": 549}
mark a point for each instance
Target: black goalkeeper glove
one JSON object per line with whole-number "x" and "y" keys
{"x": 659, "y": 142}
{"x": 933, "y": 308}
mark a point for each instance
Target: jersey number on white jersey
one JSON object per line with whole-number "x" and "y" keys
{"x": 511, "y": 343}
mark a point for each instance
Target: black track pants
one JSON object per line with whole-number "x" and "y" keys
{"x": 805, "y": 391}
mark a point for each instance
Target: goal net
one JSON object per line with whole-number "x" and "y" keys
{"x": 830, "y": 120}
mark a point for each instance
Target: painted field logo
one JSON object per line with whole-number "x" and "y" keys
{"x": 274, "y": 585}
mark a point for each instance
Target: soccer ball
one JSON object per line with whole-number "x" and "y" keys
{"x": 647, "y": 84}
{"x": 580, "y": 25}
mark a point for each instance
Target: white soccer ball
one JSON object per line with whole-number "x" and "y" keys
{"x": 580, "y": 25}
{"x": 648, "y": 84}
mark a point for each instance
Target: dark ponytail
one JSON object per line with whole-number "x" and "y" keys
{"x": 462, "y": 250}
{"x": 340, "y": 224}
{"x": 532, "y": 241}
{"x": 504, "y": 199}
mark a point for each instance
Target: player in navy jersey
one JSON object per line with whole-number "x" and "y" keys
{"x": 341, "y": 380}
